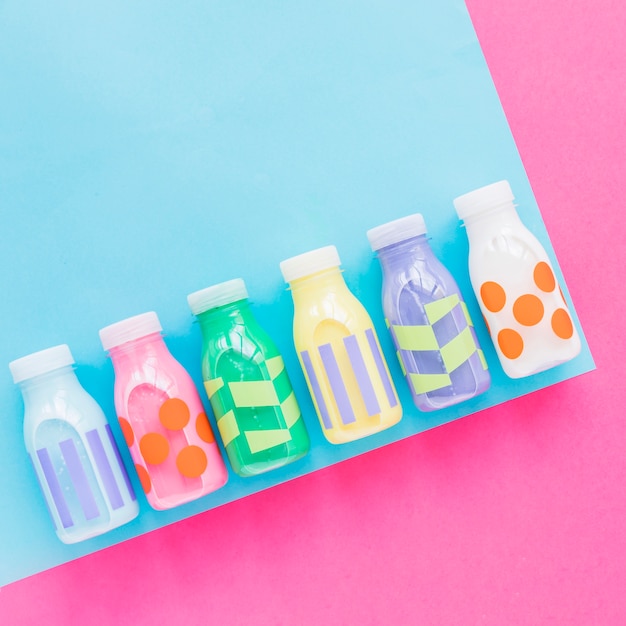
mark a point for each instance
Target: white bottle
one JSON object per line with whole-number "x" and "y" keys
{"x": 71, "y": 448}
{"x": 515, "y": 284}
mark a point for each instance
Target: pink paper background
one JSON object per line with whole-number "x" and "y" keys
{"x": 511, "y": 516}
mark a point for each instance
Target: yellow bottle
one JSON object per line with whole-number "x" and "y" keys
{"x": 338, "y": 349}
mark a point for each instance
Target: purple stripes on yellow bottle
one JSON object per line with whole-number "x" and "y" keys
{"x": 341, "y": 358}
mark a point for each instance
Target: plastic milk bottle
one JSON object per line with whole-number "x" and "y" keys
{"x": 338, "y": 349}
{"x": 257, "y": 413}
{"x": 515, "y": 284}
{"x": 161, "y": 415}
{"x": 427, "y": 317}
{"x": 72, "y": 449}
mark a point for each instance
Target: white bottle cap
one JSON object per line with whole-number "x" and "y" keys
{"x": 309, "y": 263}
{"x": 41, "y": 362}
{"x": 396, "y": 231}
{"x": 217, "y": 295}
{"x": 129, "y": 329}
{"x": 483, "y": 199}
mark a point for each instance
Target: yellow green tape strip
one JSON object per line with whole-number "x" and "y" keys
{"x": 457, "y": 351}
{"x": 275, "y": 366}
{"x": 401, "y": 362}
{"x": 259, "y": 440}
{"x": 212, "y": 386}
{"x": 416, "y": 337}
{"x": 253, "y": 393}
{"x": 468, "y": 319}
{"x": 227, "y": 425}
{"x": 291, "y": 410}
{"x": 439, "y": 308}
{"x": 483, "y": 360}
{"x": 424, "y": 383}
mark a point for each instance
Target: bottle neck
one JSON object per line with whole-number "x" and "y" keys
{"x": 324, "y": 282}
{"x": 413, "y": 250}
{"x": 226, "y": 316}
{"x": 503, "y": 216}
{"x": 145, "y": 349}
{"x": 62, "y": 378}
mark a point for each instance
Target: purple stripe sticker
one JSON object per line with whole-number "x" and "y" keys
{"x": 79, "y": 479}
{"x": 362, "y": 375}
{"x": 55, "y": 488}
{"x": 104, "y": 467}
{"x": 315, "y": 386}
{"x": 43, "y": 491}
{"x": 129, "y": 486}
{"x": 336, "y": 383}
{"x": 378, "y": 357}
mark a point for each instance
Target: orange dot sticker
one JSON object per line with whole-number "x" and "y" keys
{"x": 154, "y": 448}
{"x": 174, "y": 414}
{"x": 528, "y": 310}
{"x": 144, "y": 478}
{"x": 191, "y": 461}
{"x": 127, "y": 431}
{"x": 562, "y": 324}
{"x": 493, "y": 296}
{"x": 511, "y": 343}
{"x": 203, "y": 428}
{"x": 544, "y": 277}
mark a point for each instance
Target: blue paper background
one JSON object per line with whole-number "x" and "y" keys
{"x": 150, "y": 149}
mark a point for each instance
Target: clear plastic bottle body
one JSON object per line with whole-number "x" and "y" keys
{"x": 75, "y": 457}
{"x": 516, "y": 287}
{"x": 164, "y": 424}
{"x": 430, "y": 326}
{"x": 256, "y": 409}
{"x": 341, "y": 358}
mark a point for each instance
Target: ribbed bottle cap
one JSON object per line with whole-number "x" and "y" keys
{"x": 309, "y": 263}
{"x": 129, "y": 329}
{"x": 41, "y": 362}
{"x": 396, "y": 231}
{"x": 483, "y": 199}
{"x": 217, "y": 295}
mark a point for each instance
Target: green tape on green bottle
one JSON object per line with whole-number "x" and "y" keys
{"x": 256, "y": 409}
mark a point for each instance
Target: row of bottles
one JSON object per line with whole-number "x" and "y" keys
{"x": 258, "y": 417}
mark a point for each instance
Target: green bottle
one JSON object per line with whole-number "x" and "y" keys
{"x": 244, "y": 375}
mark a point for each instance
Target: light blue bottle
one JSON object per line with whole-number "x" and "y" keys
{"x": 72, "y": 449}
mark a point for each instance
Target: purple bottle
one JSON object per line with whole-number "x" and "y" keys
{"x": 427, "y": 317}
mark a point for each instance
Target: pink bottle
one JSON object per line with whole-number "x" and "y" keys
{"x": 161, "y": 415}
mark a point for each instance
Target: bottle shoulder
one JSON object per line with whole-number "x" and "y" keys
{"x": 247, "y": 339}
{"x": 237, "y": 353}
{"x": 420, "y": 282}
{"x": 501, "y": 253}
{"x": 503, "y": 238}
{"x": 328, "y": 304}
{"x": 74, "y": 406}
{"x": 328, "y": 315}
{"x": 163, "y": 372}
